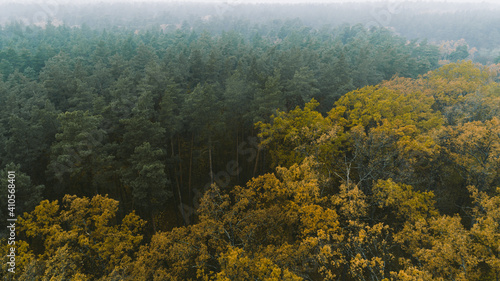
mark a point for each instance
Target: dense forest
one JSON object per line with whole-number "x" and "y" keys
{"x": 277, "y": 150}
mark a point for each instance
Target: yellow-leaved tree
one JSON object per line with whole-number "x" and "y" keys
{"x": 452, "y": 81}
{"x": 274, "y": 228}
{"x": 82, "y": 239}
{"x": 292, "y": 136}
{"x": 473, "y": 149}
{"x": 388, "y": 134}
{"x": 486, "y": 231}
{"x": 454, "y": 84}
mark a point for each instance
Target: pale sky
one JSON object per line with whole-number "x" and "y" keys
{"x": 52, "y": 2}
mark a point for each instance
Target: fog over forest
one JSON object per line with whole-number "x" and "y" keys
{"x": 237, "y": 140}
{"x": 437, "y": 21}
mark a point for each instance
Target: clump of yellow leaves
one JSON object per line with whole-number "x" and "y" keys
{"x": 81, "y": 239}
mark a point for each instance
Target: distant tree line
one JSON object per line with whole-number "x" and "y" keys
{"x": 476, "y": 23}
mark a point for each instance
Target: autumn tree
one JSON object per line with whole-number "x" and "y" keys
{"x": 452, "y": 82}
{"x": 474, "y": 150}
{"x": 277, "y": 222}
{"x": 385, "y": 129}
{"x": 292, "y": 136}
{"x": 485, "y": 231}
{"x": 81, "y": 238}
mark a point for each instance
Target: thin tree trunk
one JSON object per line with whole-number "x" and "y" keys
{"x": 180, "y": 161}
{"x": 91, "y": 179}
{"x": 181, "y": 206}
{"x": 237, "y": 159}
{"x": 153, "y": 222}
{"x": 173, "y": 189}
{"x": 210, "y": 159}
{"x": 256, "y": 162}
{"x": 190, "y": 165}
{"x": 120, "y": 190}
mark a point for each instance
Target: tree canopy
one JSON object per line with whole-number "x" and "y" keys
{"x": 283, "y": 153}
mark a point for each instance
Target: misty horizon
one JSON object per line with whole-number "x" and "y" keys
{"x": 236, "y": 2}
